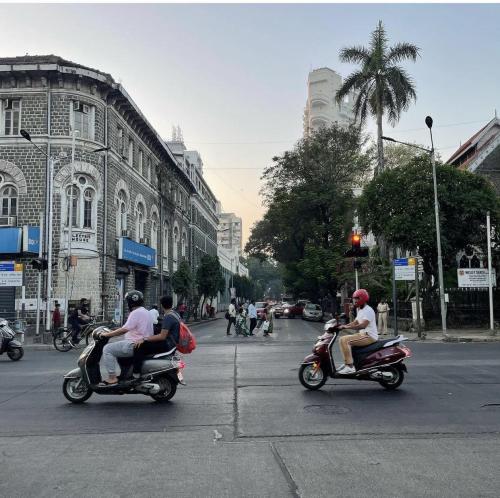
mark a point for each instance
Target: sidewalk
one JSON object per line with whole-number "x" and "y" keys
{"x": 452, "y": 335}
{"x": 31, "y": 344}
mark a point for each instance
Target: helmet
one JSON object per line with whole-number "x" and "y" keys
{"x": 134, "y": 298}
{"x": 363, "y": 297}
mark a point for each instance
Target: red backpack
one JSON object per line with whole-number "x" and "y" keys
{"x": 187, "y": 341}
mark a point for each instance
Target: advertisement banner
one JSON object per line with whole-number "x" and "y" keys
{"x": 31, "y": 239}
{"x": 475, "y": 277}
{"x": 129, "y": 250}
{"x": 10, "y": 240}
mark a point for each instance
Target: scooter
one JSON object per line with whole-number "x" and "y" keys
{"x": 8, "y": 343}
{"x": 161, "y": 373}
{"x": 381, "y": 361}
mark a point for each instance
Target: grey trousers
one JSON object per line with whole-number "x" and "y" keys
{"x": 112, "y": 350}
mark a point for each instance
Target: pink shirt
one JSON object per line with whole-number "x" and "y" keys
{"x": 139, "y": 325}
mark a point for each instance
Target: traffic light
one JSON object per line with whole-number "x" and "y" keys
{"x": 39, "y": 264}
{"x": 357, "y": 265}
{"x": 356, "y": 250}
{"x": 355, "y": 243}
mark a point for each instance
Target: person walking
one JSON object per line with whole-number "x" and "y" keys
{"x": 181, "y": 309}
{"x": 56, "y": 316}
{"x": 252, "y": 314}
{"x": 383, "y": 312}
{"x": 231, "y": 313}
{"x": 154, "y": 313}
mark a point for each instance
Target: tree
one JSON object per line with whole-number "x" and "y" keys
{"x": 399, "y": 205}
{"x": 268, "y": 274}
{"x": 309, "y": 194}
{"x": 209, "y": 278}
{"x": 182, "y": 281}
{"x": 380, "y": 85}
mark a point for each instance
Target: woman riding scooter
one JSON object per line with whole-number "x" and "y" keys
{"x": 366, "y": 323}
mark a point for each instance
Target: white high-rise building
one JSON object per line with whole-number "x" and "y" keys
{"x": 321, "y": 108}
{"x": 229, "y": 234}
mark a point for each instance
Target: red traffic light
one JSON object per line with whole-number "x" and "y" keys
{"x": 355, "y": 240}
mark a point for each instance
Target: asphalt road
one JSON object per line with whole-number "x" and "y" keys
{"x": 244, "y": 426}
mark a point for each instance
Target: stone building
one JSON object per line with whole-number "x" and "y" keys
{"x": 132, "y": 201}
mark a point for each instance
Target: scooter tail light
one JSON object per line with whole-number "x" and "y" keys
{"x": 182, "y": 364}
{"x": 406, "y": 351}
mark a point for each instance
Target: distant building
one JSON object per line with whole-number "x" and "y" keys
{"x": 321, "y": 108}
{"x": 481, "y": 153}
{"x": 229, "y": 235}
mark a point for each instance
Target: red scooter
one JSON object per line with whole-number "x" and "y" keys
{"x": 381, "y": 361}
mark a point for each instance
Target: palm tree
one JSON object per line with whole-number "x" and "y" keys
{"x": 380, "y": 85}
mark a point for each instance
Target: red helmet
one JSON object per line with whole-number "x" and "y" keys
{"x": 363, "y": 297}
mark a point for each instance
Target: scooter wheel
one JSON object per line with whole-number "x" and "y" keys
{"x": 76, "y": 390}
{"x": 310, "y": 381}
{"x": 168, "y": 391}
{"x": 397, "y": 379}
{"x": 15, "y": 354}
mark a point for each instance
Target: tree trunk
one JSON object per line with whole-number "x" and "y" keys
{"x": 380, "y": 144}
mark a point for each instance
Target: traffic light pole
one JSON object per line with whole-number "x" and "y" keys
{"x": 50, "y": 194}
{"x": 356, "y": 276}
{"x": 39, "y": 283}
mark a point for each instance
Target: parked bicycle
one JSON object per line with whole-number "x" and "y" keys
{"x": 63, "y": 336}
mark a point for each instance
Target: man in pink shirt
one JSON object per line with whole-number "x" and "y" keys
{"x": 138, "y": 326}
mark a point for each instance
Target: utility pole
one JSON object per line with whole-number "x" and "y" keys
{"x": 39, "y": 282}
{"x": 490, "y": 274}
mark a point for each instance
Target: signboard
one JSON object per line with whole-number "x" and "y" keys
{"x": 404, "y": 269}
{"x": 129, "y": 250}
{"x": 475, "y": 277}
{"x": 10, "y": 240}
{"x": 10, "y": 276}
{"x": 31, "y": 239}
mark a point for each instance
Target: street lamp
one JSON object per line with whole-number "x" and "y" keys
{"x": 429, "y": 122}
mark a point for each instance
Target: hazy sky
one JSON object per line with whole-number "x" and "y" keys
{"x": 234, "y": 76}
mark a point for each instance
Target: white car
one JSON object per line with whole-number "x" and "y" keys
{"x": 312, "y": 312}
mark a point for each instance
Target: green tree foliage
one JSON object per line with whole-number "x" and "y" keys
{"x": 310, "y": 202}
{"x": 399, "y": 205}
{"x": 183, "y": 280}
{"x": 265, "y": 275}
{"x": 209, "y": 278}
{"x": 382, "y": 86}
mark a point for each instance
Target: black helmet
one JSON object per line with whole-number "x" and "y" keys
{"x": 134, "y": 298}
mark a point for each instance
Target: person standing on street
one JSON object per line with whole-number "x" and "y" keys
{"x": 56, "y": 316}
{"x": 383, "y": 312}
{"x": 154, "y": 317}
{"x": 252, "y": 314}
{"x": 232, "y": 316}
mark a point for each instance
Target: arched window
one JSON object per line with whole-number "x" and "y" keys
{"x": 176, "y": 244}
{"x": 82, "y": 197}
{"x": 154, "y": 233}
{"x": 121, "y": 213}
{"x": 139, "y": 222}
{"x": 8, "y": 200}
{"x": 165, "y": 240}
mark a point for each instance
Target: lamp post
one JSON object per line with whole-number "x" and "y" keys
{"x": 429, "y": 122}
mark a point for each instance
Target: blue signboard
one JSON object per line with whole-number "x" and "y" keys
{"x": 31, "y": 239}
{"x": 7, "y": 265}
{"x": 401, "y": 262}
{"x": 129, "y": 250}
{"x": 10, "y": 240}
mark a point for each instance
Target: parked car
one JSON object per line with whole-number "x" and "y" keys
{"x": 312, "y": 312}
{"x": 293, "y": 310}
{"x": 278, "y": 310}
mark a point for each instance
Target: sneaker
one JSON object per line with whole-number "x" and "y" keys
{"x": 346, "y": 370}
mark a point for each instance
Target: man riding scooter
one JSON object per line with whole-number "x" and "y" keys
{"x": 366, "y": 323}
{"x": 138, "y": 326}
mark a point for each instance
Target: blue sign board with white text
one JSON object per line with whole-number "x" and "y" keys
{"x": 129, "y": 250}
{"x": 31, "y": 239}
{"x": 10, "y": 240}
{"x": 401, "y": 262}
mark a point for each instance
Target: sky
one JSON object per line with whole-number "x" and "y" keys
{"x": 234, "y": 77}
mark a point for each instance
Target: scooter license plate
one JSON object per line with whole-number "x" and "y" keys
{"x": 180, "y": 376}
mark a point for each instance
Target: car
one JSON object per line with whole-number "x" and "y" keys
{"x": 293, "y": 310}
{"x": 312, "y": 312}
{"x": 278, "y": 310}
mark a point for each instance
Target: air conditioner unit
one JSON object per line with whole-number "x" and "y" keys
{"x": 8, "y": 221}
{"x": 85, "y": 108}
{"x": 126, "y": 233}
{"x": 76, "y": 105}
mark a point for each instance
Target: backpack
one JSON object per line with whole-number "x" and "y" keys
{"x": 187, "y": 341}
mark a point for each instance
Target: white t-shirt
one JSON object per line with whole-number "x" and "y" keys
{"x": 367, "y": 313}
{"x": 154, "y": 315}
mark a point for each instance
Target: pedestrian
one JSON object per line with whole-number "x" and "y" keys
{"x": 252, "y": 314}
{"x": 56, "y": 316}
{"x": 383, "y": 312}
{"x": 231, "y": 316}
{"x": 154, "y": 314}
{"x": 265, "y": 321}
{"x": 181, "y": 309}
{"x": 241, "y": 323}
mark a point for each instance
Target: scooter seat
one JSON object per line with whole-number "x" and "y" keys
{"x": 362, "y": 350}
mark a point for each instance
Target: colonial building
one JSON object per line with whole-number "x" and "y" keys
{"x": 132, "y": 204}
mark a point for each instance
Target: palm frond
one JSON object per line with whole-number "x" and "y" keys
{"x": 354, "y": 54}
{"x": 402, "y": 51}
{"x": 353, "y": 82}
{"x": 378, "y": 45}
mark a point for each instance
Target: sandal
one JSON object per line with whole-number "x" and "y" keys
{"x": 105, "y": 383}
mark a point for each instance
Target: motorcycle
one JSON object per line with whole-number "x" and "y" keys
{"x": 8, "y": 343}
{"x": 381, "y": 361}
{"x": 161, "y": 373}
